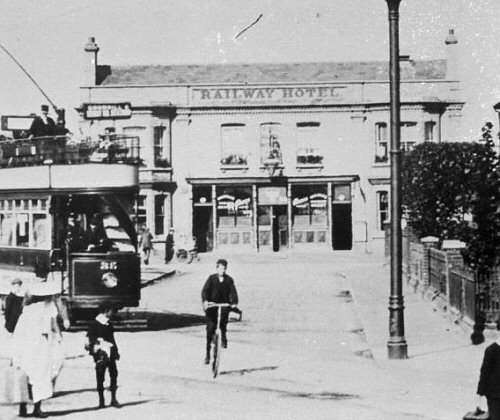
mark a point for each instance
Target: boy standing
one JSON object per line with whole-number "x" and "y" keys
{"x": 102, "y": 346}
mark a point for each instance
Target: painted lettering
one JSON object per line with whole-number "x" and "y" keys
{"x": 287, "y": 92}
{"x": 260, "y": 94}
{"x": 205, "y": 94}
{"x": 217, "y": 94}
{"x": 299, "y": 93}
{"x": 248, "y": 93}
{"x": 269, "y": 92}
{"x": 310, "y": 91}
{"x": 321, "y": 92}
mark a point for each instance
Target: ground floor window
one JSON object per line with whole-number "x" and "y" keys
{"x": 141, "y": 211}
{"x": 309, "y": 213}
{"x": 234, "y": 215}
{"x": 382, "y": 209}
{"x": 159, "y": 214}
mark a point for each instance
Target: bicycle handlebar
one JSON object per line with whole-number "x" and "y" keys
{"x": 213, "y": 304}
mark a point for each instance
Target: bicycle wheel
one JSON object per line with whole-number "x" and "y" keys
{"x": 217, "y": 352}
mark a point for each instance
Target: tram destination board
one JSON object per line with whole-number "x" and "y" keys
{"x": 122, "y": 110}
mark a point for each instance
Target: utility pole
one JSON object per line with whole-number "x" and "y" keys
{"x": 396, "y": 345}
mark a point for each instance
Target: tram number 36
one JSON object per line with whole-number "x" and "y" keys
{"x": 109, "y": 265}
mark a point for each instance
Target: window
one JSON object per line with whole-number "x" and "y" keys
{"x": 161, "y": 159}
{"x": 409, "y": 135}
{"x": 429, "y": 130}
{"x": 25, "y": 223}
{"x": 308, "y": 144}
{"x": 141, "y": 211}
{"x": 270, "y": 147}
{"x": 140, "y": 133}
{"x": 382, "y": 209}
{"x": 382, "y": 145}
{"x": 159, "y": 214}
{"x": 233, "y": 145}
{"x": 309, "y": 205}
{"x": 234, "y": 207}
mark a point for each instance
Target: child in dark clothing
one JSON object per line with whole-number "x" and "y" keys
{"x": 102, "y": 346}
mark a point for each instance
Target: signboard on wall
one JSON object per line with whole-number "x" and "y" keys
{"x": 17, "y": 122}
{"x": 272, "y": 196}
{"x": 107, "y": 111}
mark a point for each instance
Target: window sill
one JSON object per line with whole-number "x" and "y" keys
{"x": 225, "y": 168}
{"x": 381, "y": 164}
{"x": 301, "y": 166}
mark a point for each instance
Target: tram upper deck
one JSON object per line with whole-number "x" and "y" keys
{"x": 63, "y": 163}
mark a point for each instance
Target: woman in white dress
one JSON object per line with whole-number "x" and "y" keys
{"x": 36, "y": 339}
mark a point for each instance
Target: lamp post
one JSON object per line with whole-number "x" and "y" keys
{"x": 396, "y": 345}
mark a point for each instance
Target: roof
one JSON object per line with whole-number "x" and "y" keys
{"x": 269, "y": 73}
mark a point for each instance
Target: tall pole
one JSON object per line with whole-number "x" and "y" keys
{"x": 396, "y": 345}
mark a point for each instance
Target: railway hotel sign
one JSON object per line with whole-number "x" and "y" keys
{"x": 266, "y": 95}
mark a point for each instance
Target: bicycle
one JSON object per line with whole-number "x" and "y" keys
{"x": 217, "y": 338}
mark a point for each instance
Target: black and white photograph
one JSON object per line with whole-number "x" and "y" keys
{"x": 250, "y": 209}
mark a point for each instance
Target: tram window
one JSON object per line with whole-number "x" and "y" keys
{"x": 7, "y": 229}
{"x": 41, "y": 232}
{"x": 22, "y": 230}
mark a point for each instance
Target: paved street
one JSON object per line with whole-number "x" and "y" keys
{"x": 311, "y": 346}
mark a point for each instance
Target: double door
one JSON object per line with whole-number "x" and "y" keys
{"x": 272, "y": 224}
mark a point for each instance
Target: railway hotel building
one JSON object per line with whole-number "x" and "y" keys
{"x": 269, "y": 157}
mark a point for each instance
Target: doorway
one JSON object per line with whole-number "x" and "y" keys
{"x": 341, "y": 226}
{"x": 202, "y": 227}
{"x": 273, "y": 228}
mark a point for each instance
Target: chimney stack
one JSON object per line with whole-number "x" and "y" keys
{"x": 452, "y": 56}
{"x": 90, "y": 63}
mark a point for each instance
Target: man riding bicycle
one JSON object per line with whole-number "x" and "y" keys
{"x": 219, "y": 288}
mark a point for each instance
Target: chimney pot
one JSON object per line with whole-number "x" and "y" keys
{"x": 451, "y": 38}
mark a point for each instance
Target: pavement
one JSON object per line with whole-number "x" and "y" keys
{"x": 312, "y": 345}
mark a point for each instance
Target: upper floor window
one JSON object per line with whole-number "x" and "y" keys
{"x": 382, "y": 144}
{"x": 409, "y": 138}
{"x": 233, "y": 145}
{"x": 409, "y": 135}
{"x": 270, "y": 146}
{"x": 429, "y": 130}
{"x": 308, "y": 143}
{"x": 160, "y": 152}
{"x": 382, "y": 209}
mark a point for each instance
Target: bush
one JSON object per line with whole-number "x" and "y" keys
{"x": 452, "y": 190}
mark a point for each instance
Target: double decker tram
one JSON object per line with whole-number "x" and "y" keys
{"x": 69, "y": 205}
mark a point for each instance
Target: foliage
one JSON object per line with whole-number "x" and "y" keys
{"x": 452, "y": 191}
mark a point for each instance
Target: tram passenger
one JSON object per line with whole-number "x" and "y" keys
{"x": 76, "y": 234}
{"x": 44, "y": 125}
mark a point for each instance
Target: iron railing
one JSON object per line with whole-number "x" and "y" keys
{"x": 67, "y": 150}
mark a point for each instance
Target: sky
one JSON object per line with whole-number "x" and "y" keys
{"x": 47, "y": 37}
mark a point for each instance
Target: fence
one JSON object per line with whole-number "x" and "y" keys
{"x": 441, "y": 274}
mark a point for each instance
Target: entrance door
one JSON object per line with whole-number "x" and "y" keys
{"x": 341, "y": 226}
{"x": 272, "y": 228}
{"x": 202, "y": 227}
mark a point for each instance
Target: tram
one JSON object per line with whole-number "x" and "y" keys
{"x": 70, "y": 205}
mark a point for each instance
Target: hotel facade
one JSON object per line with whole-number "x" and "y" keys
{"x": 270, "y": 157}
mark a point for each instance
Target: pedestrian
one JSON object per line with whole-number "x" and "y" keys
{"x": 146, "y": 243}
{"x": 43, "y": 126}
{"x": 169, "y": 246}
{"x": 14, "y": 305}
{"x": 489, "y": 379}
{"x": 102, "y": 347}
{"x": 34, "y": 343}
{"x": 219, "y": 288}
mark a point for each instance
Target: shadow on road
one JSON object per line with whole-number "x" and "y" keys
{"x": 241, "y": 372}
{"x": 159, "y": 321}
{"x": 72, "y": 391}
{"x": 86, "y": 409}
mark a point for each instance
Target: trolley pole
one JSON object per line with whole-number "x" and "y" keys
{"x": 396, "y": 345}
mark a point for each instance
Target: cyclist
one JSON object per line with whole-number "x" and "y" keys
{"x": 219, "y": 288}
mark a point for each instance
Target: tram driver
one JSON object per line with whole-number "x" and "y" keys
{"x": 95, "y": 238}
